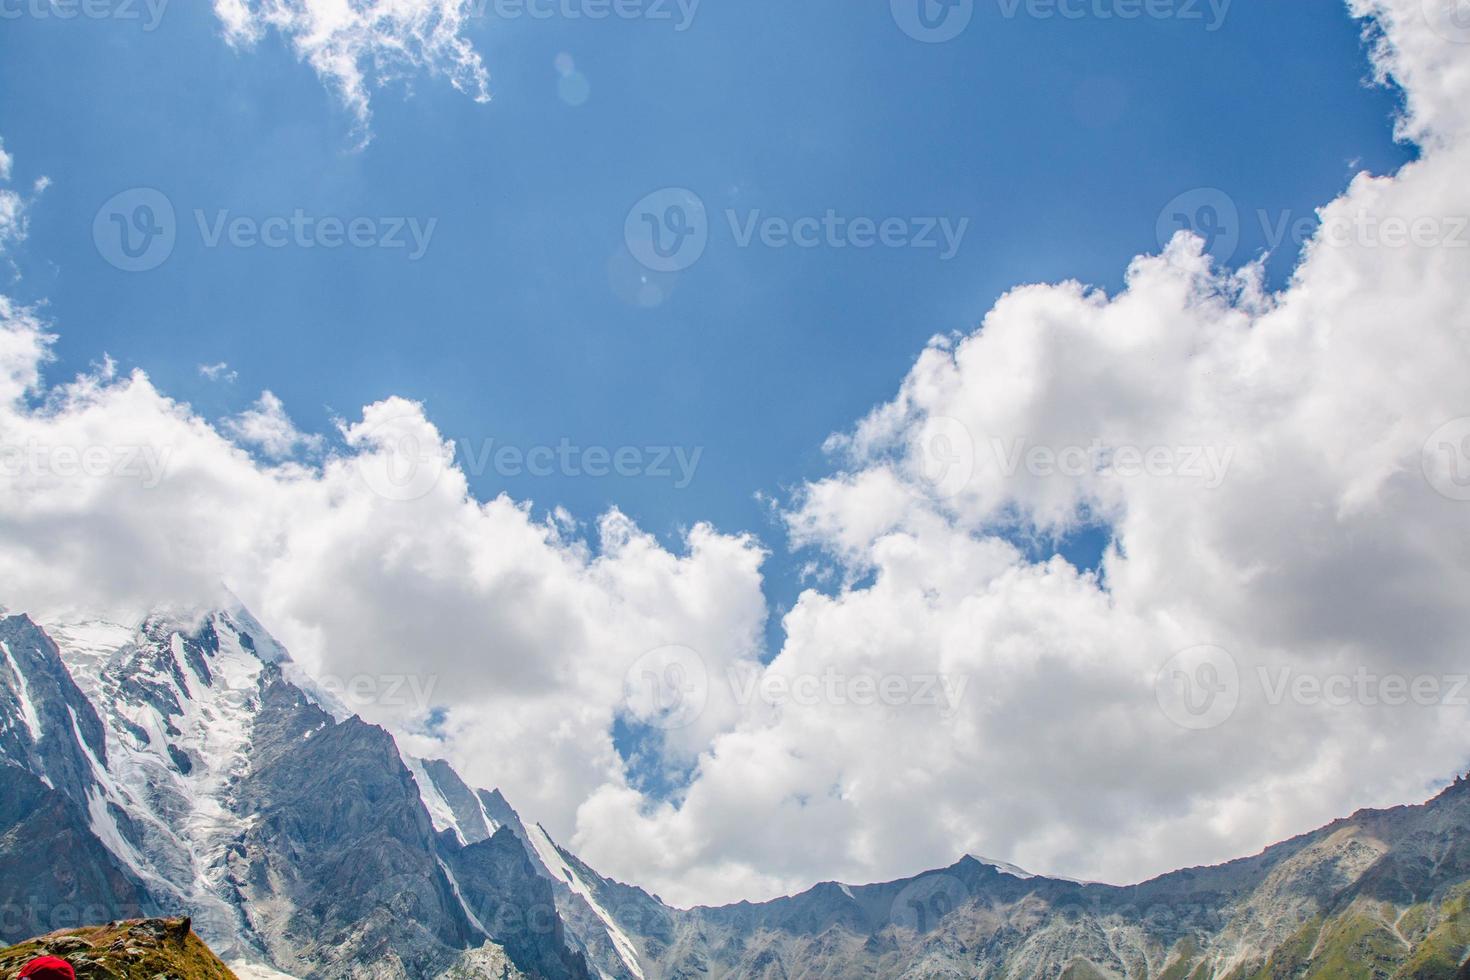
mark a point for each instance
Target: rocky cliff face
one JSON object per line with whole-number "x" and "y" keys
{"x": 179, "y": 766}
{"x": 38, "y": 697}
{"x": 188, "y": 766}
{"x": 337, "y": 814}
{"x": 54, "y": 872}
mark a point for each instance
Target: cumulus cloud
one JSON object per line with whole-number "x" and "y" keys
{"x": 1281, "y": 474}
{"x": 517, "y": 633}
{"x": 370, "y": 560}
{"x": 356, "y": 46}
{"x": 1266, "y": 466}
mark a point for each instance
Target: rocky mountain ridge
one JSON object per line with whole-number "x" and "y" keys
{"x": 188, "y": 766}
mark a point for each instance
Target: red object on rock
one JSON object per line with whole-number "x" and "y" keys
{"x": 48, "y": 968}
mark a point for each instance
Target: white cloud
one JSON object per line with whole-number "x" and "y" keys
{"x": 24, "y": 347}
{"x": 1321, "y": 548}
{"x": 1422, "y": 44}
{"x": 219, "y": 371}
{"x": 1315, "y": 545}
{"x": 114, "y": 498}
{"x": 355, "y": 46}
{"x": 13, "y": 222}
{"x": 266, "y": 426}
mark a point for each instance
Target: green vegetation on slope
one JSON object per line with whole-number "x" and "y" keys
{"x": 1439, "y": 954}
{"x": 137, "y": 949}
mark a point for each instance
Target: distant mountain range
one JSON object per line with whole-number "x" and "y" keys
{"x": 189, "y": 767}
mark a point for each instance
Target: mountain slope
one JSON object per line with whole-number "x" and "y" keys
{"x": 54, "y": 872}
{"x": 38, "y": 696}
{"x": 143, "y": 949}
{"x": 1380, "y": 894}
{"x": 188, "y": 765}
{"x": 296, "y": 835}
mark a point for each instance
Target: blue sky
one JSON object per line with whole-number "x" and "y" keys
{"x": 531, "y": 307}
{"x": 1058, "y": 140}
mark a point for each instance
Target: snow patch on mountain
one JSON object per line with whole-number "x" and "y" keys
{"x": 1004, "y": 867}
{"x": 440, "y": 812}
{"x": 23, "y": 692}
{"x": 459, "y": 894}
{"x": 256, "y": 971}
{"x": 177, "y": 697}
{"x": 180, "y": 697}
{"x": 100, "y": 800}
{"x": 86, "y": 647}
{"x": 551, "y": 858}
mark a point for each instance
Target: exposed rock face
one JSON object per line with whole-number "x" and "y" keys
{"x": 487, "y": 961}
{"x": 337, "y": 866}
{"x": 514, "y": 904}
{"x": 54, "y": 872}
{"x": 38, "y": 697}
{"x": 140, "y": 949}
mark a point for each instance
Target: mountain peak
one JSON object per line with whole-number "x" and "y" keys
{"x": 1004, "y": 867}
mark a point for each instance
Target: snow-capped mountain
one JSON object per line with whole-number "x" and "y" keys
{"x": 213, "y": 778}
{"x": 187, "y": 765}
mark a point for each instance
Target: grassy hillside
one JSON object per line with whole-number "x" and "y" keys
{"x": 136, "y": 949}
